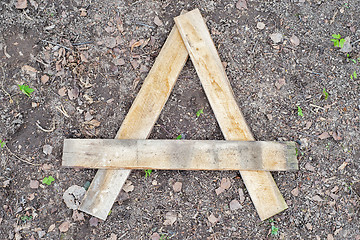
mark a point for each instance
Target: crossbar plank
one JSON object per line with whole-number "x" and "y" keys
{"x": 139, "y": 122}
{"x": 261, "y": 186}
{"x": 179, "y": 155}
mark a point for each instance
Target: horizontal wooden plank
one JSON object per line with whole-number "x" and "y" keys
{"x": 139, "y": 122}
{"x": 179, "y": 154}
{"x": 262, "y": 188}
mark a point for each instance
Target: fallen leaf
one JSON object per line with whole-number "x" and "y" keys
{"x": 143, "y": 69}
{"x": 34, "y": 184}
{"x": 260, "y": 25}
{"x": 309, "y": 226}
{"x": 93, "y": 122}
{"x": 279, "y": 83}
{"x": 28, "y": 69}
{"x": 134, "y": 64}
{"x": 73, "y": 93}
{"x": 41, "y": 233}
{"x": 93, "y": 221}
{"x": 47, "y": 149}
{"x": 308, "y": 125}
{"x": 128, "y": 187}
{"x": 295, "y": 192}
{"x": 212, "y": 219}
{"x": 241, "y": 4}
{"x": 219, "y": 190}
{"x": 73, "y": 195}
{"x": 317, "y": 198}
{"x": 234, "y": 205}
{"x": 177, "y": 186}
{"x": 330, "y": 237}
{"x": 343, "y": 165}
{"x": 158, "y": 22}
{"x": 276, "y": 37}
{"x": 113, "y": 236}
{"x": 78, "y": 216}
{"x": 295, "y": 41}
{"x": 62, "y": 91}
{"x": 347, "y": 46}
{"x": 336, "y": 137}
{"x": 21, "y": 4}
{"x": 309, "y": 167}
{"x": 84, "y": 57}
{"x": 155, "y": 236}
{"x": 51, "y": 228}
{"x": 64, "y": 227}
{"x": 83, "y": 12}
{"x": 119, "y": 61}
{"x": 170, "y": 218}
{"x": 31, "y": 196}
{"x": 110, "y": 42}
{"x": 88, "y": 116}
{"x": 324, "y": 135}
{"x": 225, "y": 183}
{"x": 44, "y": 79}
{"x": 241, "y": 195}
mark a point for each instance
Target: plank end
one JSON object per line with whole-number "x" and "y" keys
{"x": 291, "y": 158}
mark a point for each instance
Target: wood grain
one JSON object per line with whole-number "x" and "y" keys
{"x": 139, "y": 122}
{"x": 261, "y": 186}
{"x": 179, "y": 155}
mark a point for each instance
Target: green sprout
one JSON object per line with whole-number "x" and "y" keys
{"x": 179, "y": 137}
{"x": 198, "y": 113}
{"x": 326, "y": 94}
{"x": 297, "y": 154}
{"x": 300, "y": 113}
{"x": 147, "y": 172}
{"x": 26, "y": 218}
{"x": 272, "y": 220}
{"x": 337, "y": 40}
{"x": 25, "y": 89}
{"x": 2, "y": 143}
{"x": 48, "y": 180}
{"x": 274, "y": 230}
{"x": 353, "y": 76}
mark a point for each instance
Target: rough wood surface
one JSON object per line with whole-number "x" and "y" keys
{"x": 179, "y": 155}
{"x": 261, "y": 186}
{"x": 138, "y": 122}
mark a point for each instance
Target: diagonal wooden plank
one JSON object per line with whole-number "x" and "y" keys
{"x": 138, "y": 122}
{"x": 179, "y": 155}
{"x": 262, "y": 188}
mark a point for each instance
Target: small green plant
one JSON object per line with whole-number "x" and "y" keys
{"x": 297, "y": 154}
{"x": 353, "y": 76}
{"x": 179, "y": 137}
{"x": 48, "y": 180}
{"x": 26, "y": 218}
{"x": 272, "y": 220}
{"x": 109, "y": 212}
{"x": 147, "y": 172}
{"x": 326, "y": 94}
{"x": 25, "y": 89}
{"x": 2, "y": 143}
{"x": 337, "y": 40}
{"x": 198, "y": 113}
{"x": 274, "y": 230}
{"x": 300, "y": 113}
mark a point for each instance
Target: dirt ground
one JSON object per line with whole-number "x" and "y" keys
{"x": 86, "y": 61}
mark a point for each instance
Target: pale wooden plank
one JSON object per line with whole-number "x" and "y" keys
{"x": 138, "y": 122}
{"x": 261, "y": 186}
{"x": 179, "y": 155}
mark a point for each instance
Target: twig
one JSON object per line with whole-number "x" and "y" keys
{"x": 82, "y": 43}
{"x": 312, "y": 72}
{"x": 46, "y": 130}
{"x": 59, "y": 45}
{"x": 355, "y": 42}
{"x": 313, "y": 105}
{"x": 2, "y": 85}
{"x": 21, "y": 159}
{"x": 143, "y": 24}
{"x": 62, "y": 110}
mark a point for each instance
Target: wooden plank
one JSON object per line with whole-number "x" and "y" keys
{"x": 179, "y": 155}
{"x": 261, "y": 186}
{"x": 139, "y": 122}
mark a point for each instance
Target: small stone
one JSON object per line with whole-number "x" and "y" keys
{"x": 234, "y": 205}
{"x": 155, "y": 236}
{"x": 62, "y": 91}
{"x": 212, "y": 219}
{"x": 170, "y": 218}
{"x": 41, "y": 233}
{"x": 317, "y": 198}
{"x": 88, "y": 116}
{"x": 21, "y": 4}
{"x": 309, "y": 167}
{"x": 64, "y": 227}
{"x": 309, "y": 226}
{"x": 44, "y": 79}
{"x": 47, "y": 149}
{"x": 93, "y": 222}
{"x": 177, "y": 186}
{"x": 276, "y": 37}
{"x": 119, "y": 61}
{"x": 158, "y": 22}
{"x": 34, "y": 184}
{"x": 83, "y": 12}
{"x": 330, "y": 237}
{"x": 295, "y": 192}
{"x": 260, "y": 25}
{"x": 51, "y": 228}
{"x": 295, "y": 41}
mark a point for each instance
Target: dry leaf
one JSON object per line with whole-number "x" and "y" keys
{"x": 83, "y": 12}
{"x": 309, "y": 226}
{"x": 84, "y": 57}
{"x": 337, "y": 137}
{"x": 21, "y": 4}
{"x": 128, "y": 187}
{"x": 113, "y": 236}
{"x": 119, "y": 61}
{"x": 88, "y": 116}
{"x": 308, "y": 125}
{"x": 241, "y": 4}
{"x": 219, "y": 190}
{"x": 295, "y": 41}
{"x": 47, "y": 149}
{"x": 78, "y": 216}
{"x": 177, "y": 186}
{"x": 64, "y": 227}
{"x": 119, "y": 24}
{"x": 295, "y": 192}
{"x": 93, "y": 221}
{"x": 309, "y": 167}
{"x": 31, "y": 196}
{"x": 143, "y": 69}
{"x": 110, "y": 42}
{"x": 317, "y": 198}
{"x": 62, "y": 91}
{"x": 28, "y": 69}
{"x": 276, "y": 37}
{"x": 279, "y": 83}
{"x": 343, "y": 165}
{"x": 51, "y": 228}
{"x": 225, "y": 183}
{"x": 73, "y": 93}
{"x": 170, "y": 218}
{"x": 234, "y": 205}
{"x": 73, "y": 195}
{"x": 330, "y": 237}
{"x": 46, "y": 166}
{"x": 134, "y": 64}
{"x": 158, "y": 22}
{"x": 93, "y": 122}
{"x": 34, "y": 184}
{"x": 347, "y": 46}
{"x": 44, "y": 79}
{"x": 324, "y": 135}
{"x": 212, "y": 219}
{"x": 155, "y": 236}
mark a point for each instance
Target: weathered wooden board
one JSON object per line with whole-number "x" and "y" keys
{"x": 179, "y": 154}
{"x": 138, "y": 123}
{"x": 261, "y": 186}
